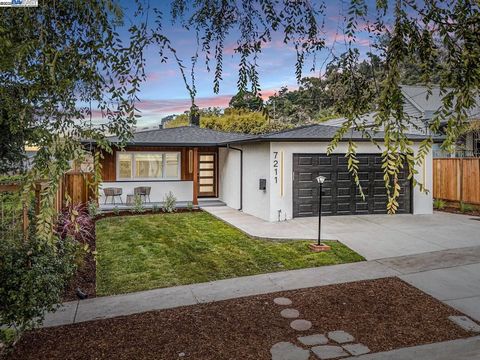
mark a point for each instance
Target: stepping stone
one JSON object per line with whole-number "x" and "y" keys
{"x": 282, "y": 301}
{"x": 288, "y": 351}
{"x": 356, "y": 349}
{"x": 290, "y": 313}
{"x": 465, "y": 323}
{"x": 310, "y": 340}
{"x": 329, "y": 352}
{"x": 300, "y": 325}
{"x": 340, "y": 337}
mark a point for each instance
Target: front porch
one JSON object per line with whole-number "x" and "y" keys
{"x": 202, "y": 203}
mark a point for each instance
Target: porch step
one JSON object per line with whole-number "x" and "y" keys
{"x": 210, "y": 203}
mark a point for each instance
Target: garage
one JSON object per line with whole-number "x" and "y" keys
{"x": 341, "y": 195}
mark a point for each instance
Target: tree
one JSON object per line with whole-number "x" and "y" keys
{"x": 246, "y": 100}
{"x": 232, "y": 120}
{"x": 72, "y": 53}
{"x": 59, "y": 64}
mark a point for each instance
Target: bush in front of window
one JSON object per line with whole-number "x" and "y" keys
{"x": 169, "y": 203}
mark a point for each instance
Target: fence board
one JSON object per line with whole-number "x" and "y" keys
{"x": 457, "y": 179}
{"x": 471, "y": 181}
{"x": 75, "y": 186}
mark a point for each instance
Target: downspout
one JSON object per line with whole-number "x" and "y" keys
{"x": 241, "y": 174}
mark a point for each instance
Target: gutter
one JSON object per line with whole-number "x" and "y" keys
{"x": 241, "y": 174}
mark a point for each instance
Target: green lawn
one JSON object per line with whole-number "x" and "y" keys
{"x": 153, "y": 251}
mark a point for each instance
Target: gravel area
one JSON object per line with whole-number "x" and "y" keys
{"x": 382, "y": 314}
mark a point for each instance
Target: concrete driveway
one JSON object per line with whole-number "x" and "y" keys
{"x": 438, "y": 253}
{"x": 373, "y": 236}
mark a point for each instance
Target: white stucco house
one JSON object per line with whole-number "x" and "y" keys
{"x": 270, "y": 176}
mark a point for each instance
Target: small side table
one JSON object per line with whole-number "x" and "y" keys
{"x": 130, "y": 199}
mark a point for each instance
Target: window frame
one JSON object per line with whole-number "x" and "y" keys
{"x": 134, "y": 166}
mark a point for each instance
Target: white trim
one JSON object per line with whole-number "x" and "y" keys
{"x": 163, "y": 153}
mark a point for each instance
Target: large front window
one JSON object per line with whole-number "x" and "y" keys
{"x": 148, "y": 165}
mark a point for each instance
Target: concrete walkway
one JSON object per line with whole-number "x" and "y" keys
{"x": 372, "y": 236}
{"x": 409, "y": 268}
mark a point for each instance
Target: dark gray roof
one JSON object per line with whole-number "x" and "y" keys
{"x": 320, "y": 132}
{"x": 196, "y": 136}
{"x": 184, "y": 136}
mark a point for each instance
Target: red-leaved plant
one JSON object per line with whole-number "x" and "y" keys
{"x": 75, "y": 222}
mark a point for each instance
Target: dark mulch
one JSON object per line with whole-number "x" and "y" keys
{"x": 456, "y": 210}
{"x": 86, "y": 275}
{"x": 383, "y": 314}
{"x": 84, "y": 279}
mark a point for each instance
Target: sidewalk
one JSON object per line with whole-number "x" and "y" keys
{"x": 406, "y": 267}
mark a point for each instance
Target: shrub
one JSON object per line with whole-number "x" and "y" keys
{"x": 138, "y": 205}
{"x": 33, "y": 276}
{"x": 465, "y": 208}
{"x": 93, "y": 209}
{"x": 439, "y": 204}
{"x": 116, "y": 210}
{"x": 76, "y": 222}
{"x": 169, "y": 203}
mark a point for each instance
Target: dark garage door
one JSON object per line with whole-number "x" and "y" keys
{"x": 341, "y": 195}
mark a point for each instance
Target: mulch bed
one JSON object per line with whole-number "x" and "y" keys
{"x": 456, "y": 210}
{"x": 84, "y": 279}
{"x": 383, "y": 314}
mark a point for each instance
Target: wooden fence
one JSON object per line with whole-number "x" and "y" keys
{"x": 76, "y": 187}
{"x": 457, "y": 179}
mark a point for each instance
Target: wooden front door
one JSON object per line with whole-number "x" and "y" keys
{"x": 207, "y": 174}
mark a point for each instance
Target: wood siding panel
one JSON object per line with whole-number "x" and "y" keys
{"x": 109, "y": 170}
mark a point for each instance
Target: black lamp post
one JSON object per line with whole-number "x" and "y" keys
{"x": 320, "y": 179}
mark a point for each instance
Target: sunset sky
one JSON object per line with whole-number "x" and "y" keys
{"x": 164, "y": 92}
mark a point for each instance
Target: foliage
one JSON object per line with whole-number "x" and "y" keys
{"x": 246, "y": 100}
{"x": 234, "y": 120}
{"x": 138, "y": 205}
{"x": 439, "y": 204}
{"x": 150, "y": 251}
{"x": 442, "y": 43}
{"x": 189, "y": 206}
{"x": 465, "y": 208}
{"x": 93, "y": 209}
{"x": 12, "y": 148}
{"x": 169, "y": 203}
{"x": 7, "y": 337}
{"x": 116, "y": 210}
{"x": 33, "y": 276}
{"x": 75, "y": 222}
{"x": 60, "y": 65}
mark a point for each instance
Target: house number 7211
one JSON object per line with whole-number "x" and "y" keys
{"x": 275, "y": 166}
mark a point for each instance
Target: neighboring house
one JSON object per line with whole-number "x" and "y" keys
{"x": 270, "y": 176}
{"x": 421, "y": 106}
